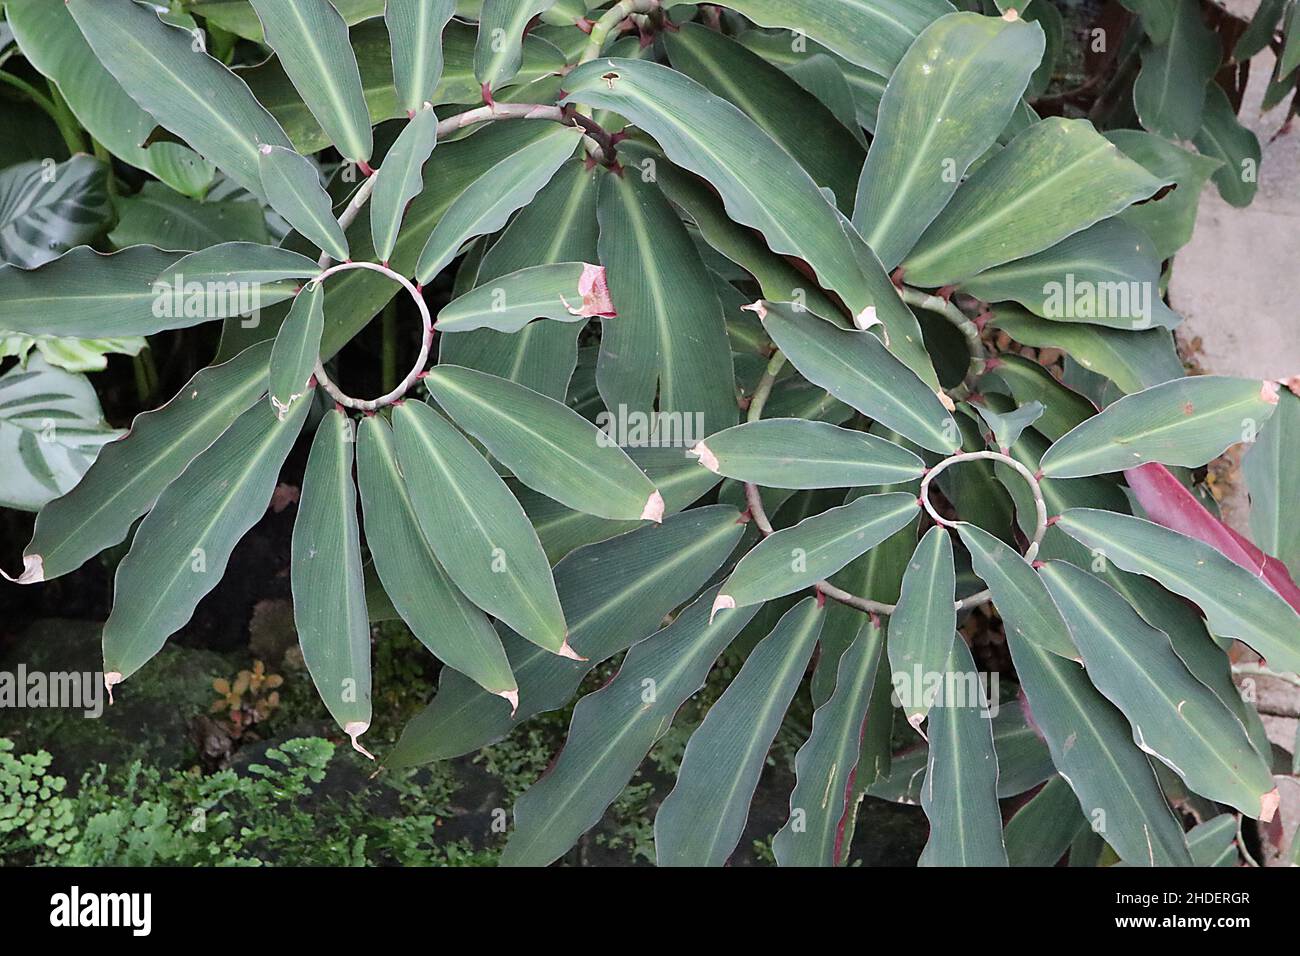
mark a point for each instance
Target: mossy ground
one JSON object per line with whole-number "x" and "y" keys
{"x": 161, "y": 778}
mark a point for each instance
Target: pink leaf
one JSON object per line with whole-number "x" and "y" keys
{"x": 594, "y": 289}
{"x": 1168, "y": 503}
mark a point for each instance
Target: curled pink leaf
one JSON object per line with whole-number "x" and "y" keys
{"x": 594, "y": 289}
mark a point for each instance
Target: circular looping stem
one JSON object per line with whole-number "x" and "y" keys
{"x": 969, "y": 330}
{"x": 1040, "y": 506}
{"x": 754, "y": 499}
{"x": 370, "y": 405}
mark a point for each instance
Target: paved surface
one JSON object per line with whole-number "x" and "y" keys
{"x": 1237, "y": 284}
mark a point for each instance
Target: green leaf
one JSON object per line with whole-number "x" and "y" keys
{"x": 181, "y": 548}
{"x": 1274, "y": 482}
{"x": 1019, "y": 594}
{"x": 998, "y": 214}
{"x": 1108, "y": 275}
{"x": 53, "y": 44}
{"x": 158, "y": 215}
{"x": 669, "y": 339}
{"x": 1029, "y": 382}
{"x": 1290, "y": 57}
{"x": 1187, "y": 421}
{"x": 268, "y": 267}
{"x": 922, "y": 626}
{"x": 858, "y": 370}
{"x": 798, "y": 557}
{"x": 71, "y": 355}
{"x": 1235, "y": 602}
{"x": 130, "y": 474}
{"x": 415, "y": 28}
{"x": 1223, "y": 137}
{"x": 400, "y": 179}
{"x": 961, "y": 776}
{"x": 1024, "y": 761}
{"x": 477, "y": 529}
{"x": 1260, "y": 32}
{"x": 329, "y": 594}
{"x": 1184, "y": 627}
{"x": 1169, "y": 93}
{"x": 700, "y": 821}
{"x": 1005, "y": 428}
{"x": 1092, "y": 747}
{"x": 1175, "y": 717}
{"x": 1132, "y": 360}
{"x": 51, "y": 427}
{"x": 760, "y": 183}
{"x": 498, "y": 53}
{"x": 562, "y": 529}
{"x": 793, "y": 453}
{"x": 1170, "y": 219}
{"x": 423, "y": 594}
{"x": 1157, "y": 17}
{"x": 780, "y": 107}
{"x": 485, "y": 204}
{"x": 1214, "y": 842}
{"x": 86, "y": 294}
{"x": 292, "y": 184}
{"x": 871, "y": 33}
{"x": 370, "y": 43}
{"x": 826, "y": 764}
{"x": 615, "y": 593}
{"x": 239, "y": 18}
{"x": 312, "y": 42}
{"x": 613, "y": 729}
{"x": 185, "y": 90}
{"x": 806, "y": 60}
{"x": 547, "y": 445}
{"x": 945, "y": 105}
{"x": 558, "y": 226}
{"x": 297, "y": 347}
{"x": 47, "y": 209}
{"x": 509, "y": 303}
{"x": 778, "y": 279}
{"x": 352, "y": 298}
{"x": 1041, "y": 831}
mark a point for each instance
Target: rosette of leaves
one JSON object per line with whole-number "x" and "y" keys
{"x": 646, "y": 214}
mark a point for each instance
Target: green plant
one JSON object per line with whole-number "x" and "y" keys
{"x": 706, "y": 194}
{"x": 35, "y": 816}
{"x": 274, "y": 812}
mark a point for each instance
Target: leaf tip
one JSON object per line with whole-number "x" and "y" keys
{"x": 654, "y": 508}
{"x": 566, "y": 650}
{"x": 722, "y": 602}
{"x": 593, "y": 289}
{"x": 1268, "y": 392}
{"x": 759, "y": 308}
{"x": 355, "y": 729}
{"x": 513, "y": 697}
{"x": 866, "y": 319}
{"x": 1011, "y": 15}
{"x": 33, "y": 571}
{"x": 705, "y": 455}
{"x": 1268, "y": 805}
{"x": 111, "y": 679}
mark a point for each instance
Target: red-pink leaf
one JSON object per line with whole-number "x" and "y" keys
{"x": 1168, "y": 503}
